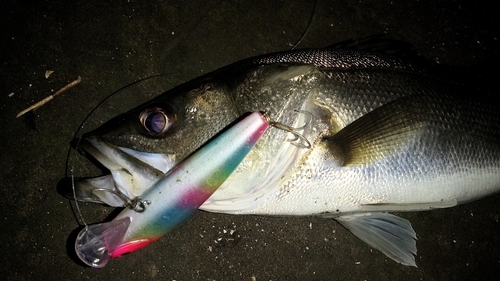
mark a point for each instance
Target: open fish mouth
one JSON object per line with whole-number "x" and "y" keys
{"x": 131, "y": 173}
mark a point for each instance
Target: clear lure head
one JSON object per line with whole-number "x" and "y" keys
{"x": 95, "y": 243}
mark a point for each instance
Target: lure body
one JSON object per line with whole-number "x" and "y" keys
{"x": 172, "y": 199}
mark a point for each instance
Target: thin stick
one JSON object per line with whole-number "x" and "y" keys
{"x": 49, "y": 98}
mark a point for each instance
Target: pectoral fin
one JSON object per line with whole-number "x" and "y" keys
{"x": 379, "y": 133}
{"x": 387, "y": 233}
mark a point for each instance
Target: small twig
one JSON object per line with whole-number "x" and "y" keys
{"x": 49, "y": 98}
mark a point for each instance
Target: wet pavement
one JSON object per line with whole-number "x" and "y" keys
{"x": 112, "y": 44}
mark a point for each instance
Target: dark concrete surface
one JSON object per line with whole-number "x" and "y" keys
{"x": 113, "y": 43}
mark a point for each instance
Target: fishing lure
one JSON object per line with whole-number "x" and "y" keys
{"x": 173, "y": 198}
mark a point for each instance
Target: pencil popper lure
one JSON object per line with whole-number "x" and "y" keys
{"x": 173, "y": 198}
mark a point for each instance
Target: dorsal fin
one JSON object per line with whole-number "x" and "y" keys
{"x": 378, "y": 44}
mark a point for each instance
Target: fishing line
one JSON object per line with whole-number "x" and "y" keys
{"x": 311, "y": 18}
{"x": 74, "y": 196}
{"x": 73, "y": 169}
{"x": 70, "y": 167}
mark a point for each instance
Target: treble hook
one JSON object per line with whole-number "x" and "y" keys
{"x": 305, "y": 142}
{"x": 136, "y": 204}
{"x": 308, "y": 121}
{"x": 139, "y": 205}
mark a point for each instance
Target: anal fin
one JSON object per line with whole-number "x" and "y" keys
{"x": 390, "y": 234}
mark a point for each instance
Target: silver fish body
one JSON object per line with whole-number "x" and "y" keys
{"x": 386, "y": 134}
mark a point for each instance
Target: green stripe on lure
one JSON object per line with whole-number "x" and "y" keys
{"x": 172, "y": 199}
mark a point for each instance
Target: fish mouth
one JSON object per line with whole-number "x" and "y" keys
{"x": 132, "y": 172}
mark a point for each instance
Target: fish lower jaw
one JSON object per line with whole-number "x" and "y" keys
{"x": 131, "y": 173}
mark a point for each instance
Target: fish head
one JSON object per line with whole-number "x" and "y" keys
{"x": 140, "y": 146}
{"x": 176, "y": 123}
{"x": 143, "y": 144}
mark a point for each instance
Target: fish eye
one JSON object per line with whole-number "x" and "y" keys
{"x": 156, "y": 120}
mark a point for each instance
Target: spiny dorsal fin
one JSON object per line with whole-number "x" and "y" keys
{"x": 378, "y": 44}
